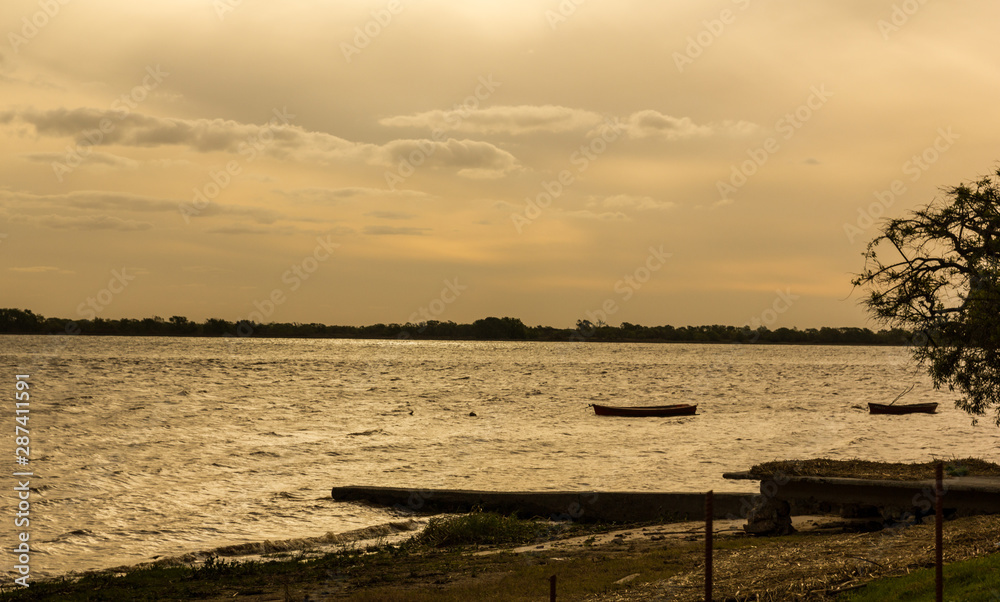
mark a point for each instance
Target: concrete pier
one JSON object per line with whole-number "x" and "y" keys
{"x": 610, "y": 506}
{"x": 792, "y": 495}
{"x": 888, "y": 498}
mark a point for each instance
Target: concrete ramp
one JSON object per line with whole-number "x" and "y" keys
{"x": 607, "y": 506}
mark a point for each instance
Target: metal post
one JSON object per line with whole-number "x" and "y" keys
{"x": 708, "y": 547}
{"x": 938, "y": 533}
{"x": 552, "y": 588}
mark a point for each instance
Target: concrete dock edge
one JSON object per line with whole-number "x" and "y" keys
{"x": 609, "y": 506}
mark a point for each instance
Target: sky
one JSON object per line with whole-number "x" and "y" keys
{"x": 642, "y": 161}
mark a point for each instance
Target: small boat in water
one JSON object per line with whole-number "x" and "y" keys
{"x": 679, "y": 409}
{"x": 912, "y": 408}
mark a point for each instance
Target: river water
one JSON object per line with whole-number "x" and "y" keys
{"x": 145, "y": 447}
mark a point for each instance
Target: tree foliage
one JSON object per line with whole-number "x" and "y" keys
{"x": 935, "y": 272}
{"x": 22, "y": 321}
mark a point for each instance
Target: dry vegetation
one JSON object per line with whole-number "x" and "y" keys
{"x": 818, "y": 567}
{"x": 865, "y": 469}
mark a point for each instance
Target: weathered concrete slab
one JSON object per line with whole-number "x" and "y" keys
{"x": 962, "y": 495}
{"x": 612, "y": 506}
{"x": 806, "y": 495}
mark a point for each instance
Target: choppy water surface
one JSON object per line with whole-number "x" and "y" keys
{"x": 146, "y": 447}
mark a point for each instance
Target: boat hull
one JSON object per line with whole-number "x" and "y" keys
{"x": 913, "y": 408}
{"x": 681, "y": 409}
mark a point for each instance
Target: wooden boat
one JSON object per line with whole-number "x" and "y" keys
{"x": 679, "y": 409}
{"x": 912, "y": 408}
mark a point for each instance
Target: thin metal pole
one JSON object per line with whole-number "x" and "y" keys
{"x": 552, "y": 588}
{"x": 938, "y": 533}
{"x": 708, "y": 547}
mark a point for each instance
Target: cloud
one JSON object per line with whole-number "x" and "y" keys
{"x": 606, "y": 216}
{"x": 136, "y": 129}
{"x": 90, "y": 199}
{"x": 395, "y": 215}
{"x": 527, "y": 119}
{"x": 90, "y": 222}
{"x": 98, "y": 200}
{"x": 514, "y": 120}
{"x": 245, "y": 229}
{"x": 168, "y": 163}
{"x": 95, "y": 157}
{"x": 325, "y": 195}
{"x": 279, "y": 140}
{"x": 650, "y": 123}
{"x": 395, "y": 231}
{"x": 202, "y": 269}
{"x": 40, "y": 269}
{"x": 472, "y": 158}
{"x": 625, "y": 201}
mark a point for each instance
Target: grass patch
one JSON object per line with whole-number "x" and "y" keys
{"x": 479, "y": 528}
{"x": 865, "y": 469}
{"x": 975, "y": 579}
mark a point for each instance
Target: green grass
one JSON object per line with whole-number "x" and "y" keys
{"x": 975, "y": 579}
{"x": 479, "y": 528}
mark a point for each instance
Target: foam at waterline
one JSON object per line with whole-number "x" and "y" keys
{"x": 390, "y": 529}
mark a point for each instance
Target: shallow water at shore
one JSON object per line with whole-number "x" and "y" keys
{"x": 151, "y": 447}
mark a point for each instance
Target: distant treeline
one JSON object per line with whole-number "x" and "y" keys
{"x": 18, "y": 321}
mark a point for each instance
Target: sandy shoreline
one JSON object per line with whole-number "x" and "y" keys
{"x": 826, "y": 556}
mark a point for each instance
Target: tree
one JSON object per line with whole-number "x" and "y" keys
{"x": 499, "y": 328}
{"x": 19, "y": 320}
{"x": 943, "y": 284}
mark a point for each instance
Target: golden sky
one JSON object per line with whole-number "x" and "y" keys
{"x": 643, "y": 161}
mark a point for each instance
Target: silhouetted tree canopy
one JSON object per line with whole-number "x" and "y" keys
{"x": 935, "y": 272}
{"x": 22, "y": 321}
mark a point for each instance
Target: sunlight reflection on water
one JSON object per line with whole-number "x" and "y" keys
{"x": 148, "y": 447}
